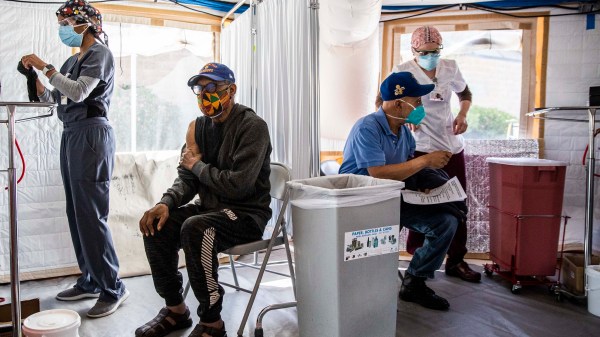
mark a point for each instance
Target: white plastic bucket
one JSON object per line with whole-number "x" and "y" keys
{"x": 52, "y": 323}
{"x": 593, "y": 288}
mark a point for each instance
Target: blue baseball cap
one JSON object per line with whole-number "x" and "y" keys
{"x": 214, "y": 71}
{"x": 403, "y": 84}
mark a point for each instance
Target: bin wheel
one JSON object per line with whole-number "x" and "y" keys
{"x": 258, "y": 332}
{"x": 558, "y": 297}
{"x": 516, "y": 289}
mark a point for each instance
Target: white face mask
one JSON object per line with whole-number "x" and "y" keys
{"x": 429, "y": 61}
{"x": 69, "y": 36}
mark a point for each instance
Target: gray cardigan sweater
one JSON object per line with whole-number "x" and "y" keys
{"x": 239, "y": 180}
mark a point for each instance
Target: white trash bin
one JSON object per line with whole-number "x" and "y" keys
{"x": 52, "y": 323}
{"x": 346, "y": 230}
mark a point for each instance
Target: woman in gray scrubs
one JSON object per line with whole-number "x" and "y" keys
{"x": 83, "y": 89}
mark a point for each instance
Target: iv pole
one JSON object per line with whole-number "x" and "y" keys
{"x": 12, "y": 204}
{"x": 589, "y": 190}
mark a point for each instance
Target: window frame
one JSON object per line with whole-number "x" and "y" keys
{"x": 535, "y": 47}
{"x": 162, "y": 16}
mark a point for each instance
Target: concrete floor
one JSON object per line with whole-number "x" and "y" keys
{"x": 484, "y": 309}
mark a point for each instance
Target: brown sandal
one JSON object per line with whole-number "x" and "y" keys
{"x": 213, "y": 332}
{"x": 161, "y": 326}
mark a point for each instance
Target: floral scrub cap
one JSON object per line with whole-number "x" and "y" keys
{"x": 82, "y": 11}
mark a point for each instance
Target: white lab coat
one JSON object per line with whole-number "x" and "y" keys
{"x": 436, "y": 130}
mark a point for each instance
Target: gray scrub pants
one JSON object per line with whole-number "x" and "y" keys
{"x": 87, "y": 152}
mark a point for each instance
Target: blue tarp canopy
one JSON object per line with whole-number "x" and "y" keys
{"x": 216, "y": 5}
{"x": 499, "y": 5}
{"x": 226, "y": 6}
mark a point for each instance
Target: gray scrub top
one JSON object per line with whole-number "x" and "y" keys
{"x": 98, "y": 63}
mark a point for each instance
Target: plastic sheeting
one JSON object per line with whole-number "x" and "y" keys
{"x": 45, "y": 247}
{"x": 138, "y": 182}
{"x": 349, "y": 63}
{"x": 44, "y": 238}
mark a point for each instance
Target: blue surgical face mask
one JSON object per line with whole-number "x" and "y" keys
{"x": 429, "y": 61}
{"x": 69, "y": 36}
{"x": 416, "y": 115}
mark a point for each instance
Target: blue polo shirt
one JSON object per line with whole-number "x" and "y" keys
{"x": 372, "y": 143}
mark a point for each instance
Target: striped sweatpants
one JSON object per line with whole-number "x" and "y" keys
{"x": 201, "y": 234}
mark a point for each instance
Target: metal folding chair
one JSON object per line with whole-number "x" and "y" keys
{"x": 280, "y": 175}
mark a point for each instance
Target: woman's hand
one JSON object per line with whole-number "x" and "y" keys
{"x": 460, "y": 124}
{"x": 33, "y": 60}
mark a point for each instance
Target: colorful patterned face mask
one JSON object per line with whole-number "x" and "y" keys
{"x": 213, "y": 104}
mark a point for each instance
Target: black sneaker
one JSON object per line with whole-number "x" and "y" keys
{"x": 74, "y": 294}
{"x": 103, "y": 308}
{"x": 414, "y": 289}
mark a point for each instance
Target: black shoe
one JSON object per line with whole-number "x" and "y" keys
{"x": 463, "y": 271}
{"x": 201, "y": 330}
{"x": 164, "y": 323}
{"x": 413, "y": 289}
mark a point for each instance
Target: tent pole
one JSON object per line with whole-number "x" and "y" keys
{"x": 14, "y": 233}
{"x": 589, "y": 194}
{"x": 253, "y": 57}
{"x": 314, "y": 127}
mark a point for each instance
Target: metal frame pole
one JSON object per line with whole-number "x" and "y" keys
{"x": 12, "y": 204}
{"x": 589, "y": 191}
{"x": 589, "y": 186}
{"x": 314, "y": 119}
{"x": 253, "y": 57}
{"x": 15, "y": 290}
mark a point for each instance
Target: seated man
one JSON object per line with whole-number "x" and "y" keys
{"x": 381, "y": 145}
{"x": 226, "y": 163}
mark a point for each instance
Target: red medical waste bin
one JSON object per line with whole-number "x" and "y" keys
{"x": 526, "y": 197}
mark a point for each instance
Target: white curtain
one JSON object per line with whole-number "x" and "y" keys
{"x": 236, "y": 52}
{"x": 282, "y": 75}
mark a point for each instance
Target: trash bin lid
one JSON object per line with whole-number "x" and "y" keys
{"x": 525, "y": 161}
{"x": 342, "y": 190}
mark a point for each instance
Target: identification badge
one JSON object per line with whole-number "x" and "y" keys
{"x": 63, "y": 100}
{"x": 436, "y": 96}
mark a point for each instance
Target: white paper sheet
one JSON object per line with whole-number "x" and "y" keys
{"x": 450, "y": 191}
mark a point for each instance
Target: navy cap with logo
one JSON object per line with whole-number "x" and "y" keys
{"x": 403, "y": 84}
{"x": 214, "y": 71}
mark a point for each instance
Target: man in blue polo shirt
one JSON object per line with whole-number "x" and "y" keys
{"x": 381, "y": 145}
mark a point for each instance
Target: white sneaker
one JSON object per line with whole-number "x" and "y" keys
{"x": 103, "y": 308}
